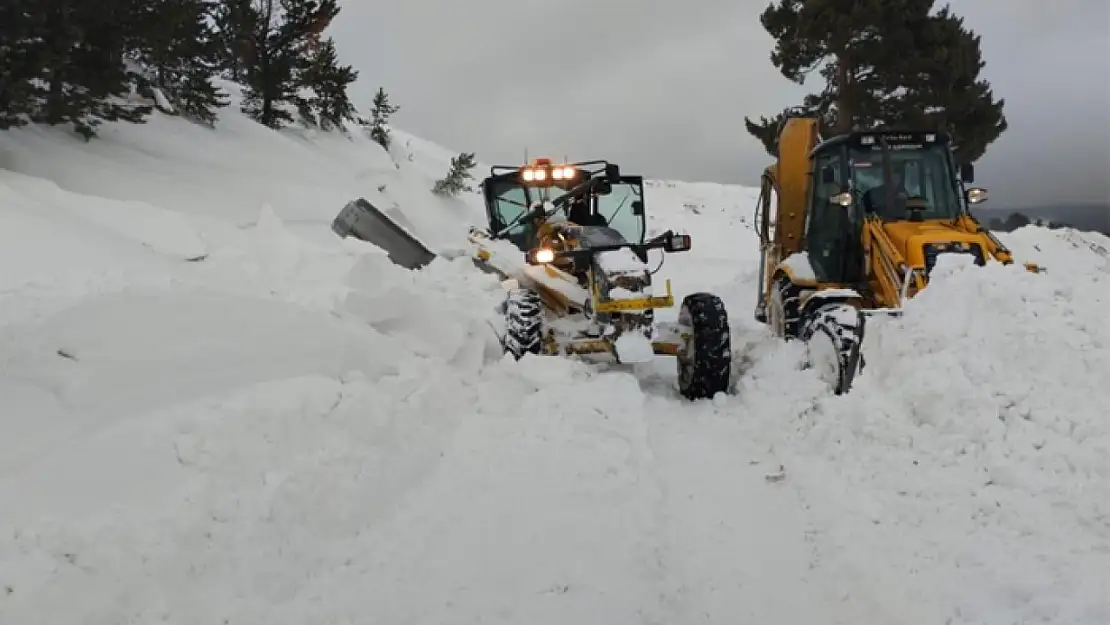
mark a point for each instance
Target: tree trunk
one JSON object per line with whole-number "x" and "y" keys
{"x": 55, "y": 99}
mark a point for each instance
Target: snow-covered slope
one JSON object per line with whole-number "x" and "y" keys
{"x": 213, "y": 410}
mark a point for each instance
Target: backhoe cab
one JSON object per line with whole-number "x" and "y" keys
{"x": 584, "y": 286}
{"x": 858, "y": 224}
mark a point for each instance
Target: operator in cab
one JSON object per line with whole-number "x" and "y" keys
{"x": 876, "y": 201}
{"x": 580, "y": 213}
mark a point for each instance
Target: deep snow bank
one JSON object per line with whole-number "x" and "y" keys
{"x": 238, "y": 168}
{"x": 966, "y": 474}
{"x": 214, "y": 410}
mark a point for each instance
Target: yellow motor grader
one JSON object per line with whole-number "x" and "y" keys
{"x": 855, "y": 228}
{"x": 568, "y": 240}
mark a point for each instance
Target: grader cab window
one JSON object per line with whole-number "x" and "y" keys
{"x": 506, "y": 200}
{"x": 621, "y": 212}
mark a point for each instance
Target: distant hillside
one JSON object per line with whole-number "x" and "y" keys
{"x": 1088, "y": 217}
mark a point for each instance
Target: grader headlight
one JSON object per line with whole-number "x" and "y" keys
{"x": 563, "y": 173}
{"x": 542, "y": 172}
{"x": 541, "y": 256}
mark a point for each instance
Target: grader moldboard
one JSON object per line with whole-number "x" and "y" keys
{"x": 858, "y": 223}
{"x": 584, "y": 286}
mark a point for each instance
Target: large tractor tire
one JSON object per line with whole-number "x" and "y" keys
{"x": 705, "y": 362}
{"x": 833, "y": 334}
{"x": 784, "y": 311}
{"x": 523, "y": 323}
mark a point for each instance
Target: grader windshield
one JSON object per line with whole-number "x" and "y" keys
{"x": 617, "y": 205}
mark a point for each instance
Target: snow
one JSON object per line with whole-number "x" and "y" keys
{"x": 800, "y": 265}
{"x": 620, "y": 261}
{"x": 214, "y": 410}
{"x": 634, "y": 347}
{"x": 618, "y": 293}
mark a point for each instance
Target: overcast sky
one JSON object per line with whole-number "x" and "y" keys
{"x": 662, "y": 87}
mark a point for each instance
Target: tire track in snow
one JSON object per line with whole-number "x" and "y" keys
{"x": 742, "y": 545}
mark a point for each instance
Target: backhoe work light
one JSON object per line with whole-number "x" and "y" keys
{"x": 843, "y": 199}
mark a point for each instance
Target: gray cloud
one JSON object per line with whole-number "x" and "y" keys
{"x": 662, "y": 87}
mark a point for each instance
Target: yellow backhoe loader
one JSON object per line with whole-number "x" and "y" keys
{"x": 852, "y": 226}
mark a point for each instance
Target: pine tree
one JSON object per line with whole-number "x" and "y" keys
{"x": 884, "y": 63}
{"x": 235, "y": 23}
{"x": 380, "y": 115}
{"x": 457, "y": 175}
{"x": 943, "y": 89}
{"x": 179, "y": 47}
{"x": 276, "y": 55}
{"x": 328, "y": 104}
{"x": 19, "y": 63}
{"x": 78, "y": 74}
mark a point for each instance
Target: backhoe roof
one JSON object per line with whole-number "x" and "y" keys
{"x": 892, "y": 135}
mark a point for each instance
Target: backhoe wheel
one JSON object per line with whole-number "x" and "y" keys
{"x": 523, "y": 323}
{"x": 833, "y": 334}
{"x": 705, "y": 362}
{"x": 784, "y": 310}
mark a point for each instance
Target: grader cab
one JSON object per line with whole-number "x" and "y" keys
{"x": 585, "y": 288}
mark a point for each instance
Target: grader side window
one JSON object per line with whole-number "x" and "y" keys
{"x": 617, "y": 209}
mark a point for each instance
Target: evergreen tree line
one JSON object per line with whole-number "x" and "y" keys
{"x": 81, "y": 62}
{"x": 883, "y": 63}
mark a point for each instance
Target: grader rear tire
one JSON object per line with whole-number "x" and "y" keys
{"x": 705, "y": 363}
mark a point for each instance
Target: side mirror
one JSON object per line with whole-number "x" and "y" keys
{"x": 540, "y": 256}
{"x": 637, "y": 207}
{"x": 967, "y": 173}
{"x": 828, "y": 176}
{"x": 976, "y": 195}
{"x": 613, "y": 171}
{"x": 677, "y": 243}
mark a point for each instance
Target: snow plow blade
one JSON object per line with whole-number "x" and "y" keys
{"x": 365, "y": 222}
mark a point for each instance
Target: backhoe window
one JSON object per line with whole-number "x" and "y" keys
{"x": 616, "y": 208}
{"x": 919, "y": 173}
{"x": 831, "y": 229}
